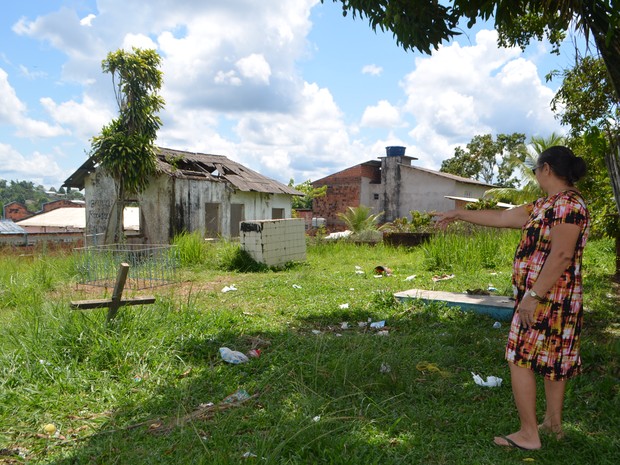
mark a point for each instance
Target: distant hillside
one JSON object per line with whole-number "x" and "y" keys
{"x": 33, "y": 196}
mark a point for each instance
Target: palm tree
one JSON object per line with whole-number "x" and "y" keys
{"x": 360, "y": 219}
{"x": 529, "y": 190}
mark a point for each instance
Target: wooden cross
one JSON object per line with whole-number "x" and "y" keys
{"x": 115, "y": 302}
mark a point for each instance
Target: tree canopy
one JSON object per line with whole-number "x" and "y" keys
{"x": 425, "y": 24}
{"x": 31, "y": 195}
{"x": 310, "y": 192}
{"x": 126, "y": 147}
{"x": 488, "y": 160}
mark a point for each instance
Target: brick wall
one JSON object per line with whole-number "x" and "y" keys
{"x": 16, "y": 211}
{"x": 274, "y": 242}
{"x": 61, "y": 203}
{"x": 344, "y": 190}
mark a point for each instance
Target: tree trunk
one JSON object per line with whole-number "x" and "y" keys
{"x": 612, "y": 160}
{"x": 120, "y": 209}
{"x": 618, "y": 258}
{"x": 114, "y": 233}
{"x": 609, "y": 48}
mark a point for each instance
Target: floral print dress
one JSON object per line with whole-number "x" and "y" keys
{"x": 550, "y": 346}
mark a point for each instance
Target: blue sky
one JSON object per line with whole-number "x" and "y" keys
{"x": 290, "y": 89}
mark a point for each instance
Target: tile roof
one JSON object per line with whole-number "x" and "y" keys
{"x": 192, "y": 165}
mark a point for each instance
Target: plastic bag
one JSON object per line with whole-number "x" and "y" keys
{"x": 233, "y": 356}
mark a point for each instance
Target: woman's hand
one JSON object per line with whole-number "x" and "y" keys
{"x": 527, "y": 310}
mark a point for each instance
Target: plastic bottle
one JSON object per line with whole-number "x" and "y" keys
{"x": 233, "y": 356}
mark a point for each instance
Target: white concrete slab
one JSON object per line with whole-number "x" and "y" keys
{"x": 499, "y": 307}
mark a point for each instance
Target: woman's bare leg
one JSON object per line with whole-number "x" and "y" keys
{"x": 524, "y": 392}
{"x": 554, "y": 394}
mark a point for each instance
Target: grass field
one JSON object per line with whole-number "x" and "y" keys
{"x": 152, "y": 388}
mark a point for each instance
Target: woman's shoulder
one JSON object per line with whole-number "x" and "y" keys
{"x": 571, "y": 197}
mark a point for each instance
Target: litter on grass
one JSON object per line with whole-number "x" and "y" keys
{"x": 254, "y": 353}
{"x": 377, "y": 324}
{"x": 343, "y": 306}
{"x": 296, "y": 286}
{"x": 491, "y": 381}
{"x": 385, "y": 368}
{"x": 497, "y": 325}
{"x": 229, "y": 288}
{"x": 383, "y": 332}
{"x": 238, "y": 396}
{"x": 382, "y": 270}
{"x": 410, "y": 278}
{"x": 442, "y": 277}
{"x": 233, "y": 356}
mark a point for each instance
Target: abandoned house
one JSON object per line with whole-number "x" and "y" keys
{"x": 190, "y": 192}
{"x": 392, "y": 185}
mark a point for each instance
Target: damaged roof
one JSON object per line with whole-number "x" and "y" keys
{"x": 192, "y": 165}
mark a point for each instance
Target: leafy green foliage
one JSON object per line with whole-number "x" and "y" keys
{"x": 529, "y": 190}
{"x": 25, "y": 192}
{"x": 126, "y": 147}
{"x": 587, "y": 103}
{"x": 484, "y": 157}
{"x": 360, "y": 219}
{"x": 419, "y": 222}
{"x": 310, "y": 193}
{"x": 482, "y": 204}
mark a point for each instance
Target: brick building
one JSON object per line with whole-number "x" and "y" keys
{"x": 16, "y": 211}
{"x": 392, "y": 185}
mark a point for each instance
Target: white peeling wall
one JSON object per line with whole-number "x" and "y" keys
{"x": 259, "y": 206}
{"x": 100, "y": 196}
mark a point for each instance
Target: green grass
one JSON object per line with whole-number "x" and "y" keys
{"x": 320, "y": 398}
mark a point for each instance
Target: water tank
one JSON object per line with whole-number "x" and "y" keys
{"x": 395, "y": 151}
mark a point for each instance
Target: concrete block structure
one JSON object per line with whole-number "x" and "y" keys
{"x": 274, "y": 242}
{"x": 392, "y": 185}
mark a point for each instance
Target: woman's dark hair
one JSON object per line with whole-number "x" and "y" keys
{"x": 564, "y": 163}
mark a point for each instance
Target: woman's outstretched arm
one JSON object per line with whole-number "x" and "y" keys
{"x": 512, "y": 218}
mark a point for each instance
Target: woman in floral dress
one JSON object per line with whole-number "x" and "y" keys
{"x": 545, "y": 332}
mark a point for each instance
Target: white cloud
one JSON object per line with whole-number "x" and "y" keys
{"x": 87, "y": 20}
{"x": 373, "y": 70}
{"x": 384, "y": 114}
{"x": 84, "y": 119}
{"x": 460, "y": 92}
{"x": 15, "y": 165}
{"x": 255, "y": 68}
{"x": 138, "y": 41}
{"x": 233, "y": 86}
{"x": 13, "y": 112}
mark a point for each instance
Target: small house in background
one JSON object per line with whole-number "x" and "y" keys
{"x": 392, "y": 185}
{"x": 16, "y": 211}
{"x": 190, "y": 192}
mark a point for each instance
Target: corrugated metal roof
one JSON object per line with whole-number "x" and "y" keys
{"x": 9, "y": 227}
{"x": 191, "y": 165}
{"x": 76, "y": 218}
